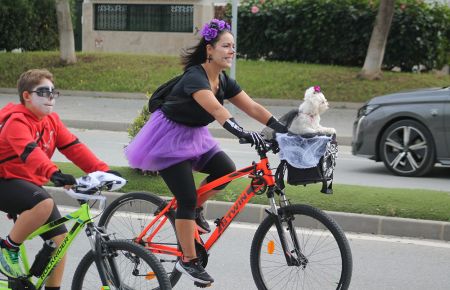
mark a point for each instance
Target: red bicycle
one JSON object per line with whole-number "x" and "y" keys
{"x": 296, "y": 246}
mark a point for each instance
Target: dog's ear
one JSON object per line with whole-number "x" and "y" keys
{"x": 309, "y": 93}
{"x": 315, "y": 101}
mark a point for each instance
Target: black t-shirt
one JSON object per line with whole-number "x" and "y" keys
{"x": 181, "y": 107}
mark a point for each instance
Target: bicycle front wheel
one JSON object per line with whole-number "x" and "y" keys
{"x": 319, "y": 258}
{"x": 127, "y": 216}
{"x": 126, "y": 266}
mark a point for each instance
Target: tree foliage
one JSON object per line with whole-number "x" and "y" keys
{"x": 28, "y": 24}
{"x": 338, "y": 32}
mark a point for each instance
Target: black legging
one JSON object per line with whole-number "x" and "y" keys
{"x": 180, "y": 180}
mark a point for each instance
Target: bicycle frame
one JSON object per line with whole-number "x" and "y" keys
{"x": 81, "y": 217}
{"x": 261, "y": 176}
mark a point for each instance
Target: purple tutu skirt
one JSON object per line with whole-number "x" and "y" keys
{"x": 162, "y": 143}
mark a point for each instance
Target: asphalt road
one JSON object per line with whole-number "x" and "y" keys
{"x": 379, "y": 262}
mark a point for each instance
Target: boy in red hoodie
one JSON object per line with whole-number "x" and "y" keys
{"x": 29, "y": 134}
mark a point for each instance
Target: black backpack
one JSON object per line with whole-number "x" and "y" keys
{"x": 158, "y": 96}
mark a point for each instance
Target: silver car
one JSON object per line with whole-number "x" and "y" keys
{"x": 408, "y": 131}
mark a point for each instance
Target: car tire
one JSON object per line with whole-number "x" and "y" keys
{"x": 407, "y": 148}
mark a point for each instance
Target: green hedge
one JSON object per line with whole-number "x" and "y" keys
{"x": 28, "y": 24}
{"x": 139, "y": 122}
{"x": 338, "y": 32}
{"x": 420, "y": 34}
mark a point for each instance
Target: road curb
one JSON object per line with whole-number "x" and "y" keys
{"x": 350, "y": 222}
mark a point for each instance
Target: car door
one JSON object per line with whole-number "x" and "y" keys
{"x": 447, "y": 129}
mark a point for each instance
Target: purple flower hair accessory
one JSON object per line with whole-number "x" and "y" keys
{"x": 317, "y": 89}
{"x": 211, "y": 30}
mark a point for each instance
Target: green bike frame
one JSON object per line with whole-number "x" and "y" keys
{"x": 81, "y": 217}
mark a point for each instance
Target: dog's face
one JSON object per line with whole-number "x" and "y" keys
{"x": 316, "y": 99}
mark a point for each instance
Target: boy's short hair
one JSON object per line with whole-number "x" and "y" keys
{"x": 31, "y": 78}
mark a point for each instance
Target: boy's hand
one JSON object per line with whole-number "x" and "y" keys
{"x": 114, "y": 172}
{"x": 61, "y": 179}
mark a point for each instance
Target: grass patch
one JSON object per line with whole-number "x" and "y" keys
{"x": 121, "y": 72}
{"x": 406, "y": 203}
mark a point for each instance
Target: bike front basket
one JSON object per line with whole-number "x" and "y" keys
{"x": 321, "y": 172}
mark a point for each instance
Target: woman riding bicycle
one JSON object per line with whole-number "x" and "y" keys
{"x": 29, "y": 134}
{"x": 176, "y": 141}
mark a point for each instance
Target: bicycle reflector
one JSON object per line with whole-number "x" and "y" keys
{"x": 150, "y": 276}
{"x": 271, "y": 247}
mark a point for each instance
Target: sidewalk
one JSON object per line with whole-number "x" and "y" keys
{"x": 116, "y": 111}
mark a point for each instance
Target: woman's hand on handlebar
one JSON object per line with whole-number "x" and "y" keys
{"x": 251, "y": 137}
{"x": 266, "y": 145}
{"x": 254, "y": 138}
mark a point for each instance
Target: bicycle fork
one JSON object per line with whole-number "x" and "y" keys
{"x": 300, "y": 260}
{"x": 107, "y": 271}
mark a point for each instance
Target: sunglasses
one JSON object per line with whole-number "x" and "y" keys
{"x": 46, "y": 93}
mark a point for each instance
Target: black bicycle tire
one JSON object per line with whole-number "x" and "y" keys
{"x": 431, "y": 154}
{"x": 140, "y": 251}
{"x": 313, "y": 213}
{"x": 174, "y": 275}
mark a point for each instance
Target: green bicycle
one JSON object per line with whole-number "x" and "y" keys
{"x": 120, "y": 264}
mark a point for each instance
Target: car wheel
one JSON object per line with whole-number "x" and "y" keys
{"x": 407, "y": 148}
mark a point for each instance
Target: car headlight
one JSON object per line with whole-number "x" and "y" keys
{"x": 366, "y": 110}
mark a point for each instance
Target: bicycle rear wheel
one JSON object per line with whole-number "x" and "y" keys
{"x": 128, "y": 216}
{"x": 136, "y": 267}
{"x": 321, "y": 257}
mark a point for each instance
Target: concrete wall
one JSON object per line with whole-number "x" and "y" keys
{"x": 168, "y": 43}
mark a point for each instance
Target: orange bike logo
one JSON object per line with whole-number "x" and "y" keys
{"x": 226, "y": 220}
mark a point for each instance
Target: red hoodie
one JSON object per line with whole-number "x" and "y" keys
{"x": 27, "y": 144}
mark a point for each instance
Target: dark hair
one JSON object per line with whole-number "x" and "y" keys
{"x": 197, "y": 54}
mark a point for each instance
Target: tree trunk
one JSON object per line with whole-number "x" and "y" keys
{"x": 375, "y": 53}
{"x": 65, "y": 32}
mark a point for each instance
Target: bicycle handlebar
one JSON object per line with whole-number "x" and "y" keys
{"x": 262, "y": 149}
{"x": 85, "y": 197}
{"x": 89, "y": 185}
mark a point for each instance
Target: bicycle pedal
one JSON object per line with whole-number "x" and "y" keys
{"x": 201, "y": 285}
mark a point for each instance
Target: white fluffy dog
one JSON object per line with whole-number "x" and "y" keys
{"x": 308, "y": 119}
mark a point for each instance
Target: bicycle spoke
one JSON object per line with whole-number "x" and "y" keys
{"x": 126, "y": 266}
{"x": 131, "y": 214}
{"x": 318, "y": 261}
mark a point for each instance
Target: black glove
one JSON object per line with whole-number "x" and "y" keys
{"x": 276, "y": 125}
{"x": 114, "y": 172}
{"x": 61, "y": 179}
{"x": 251, "y": 137}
